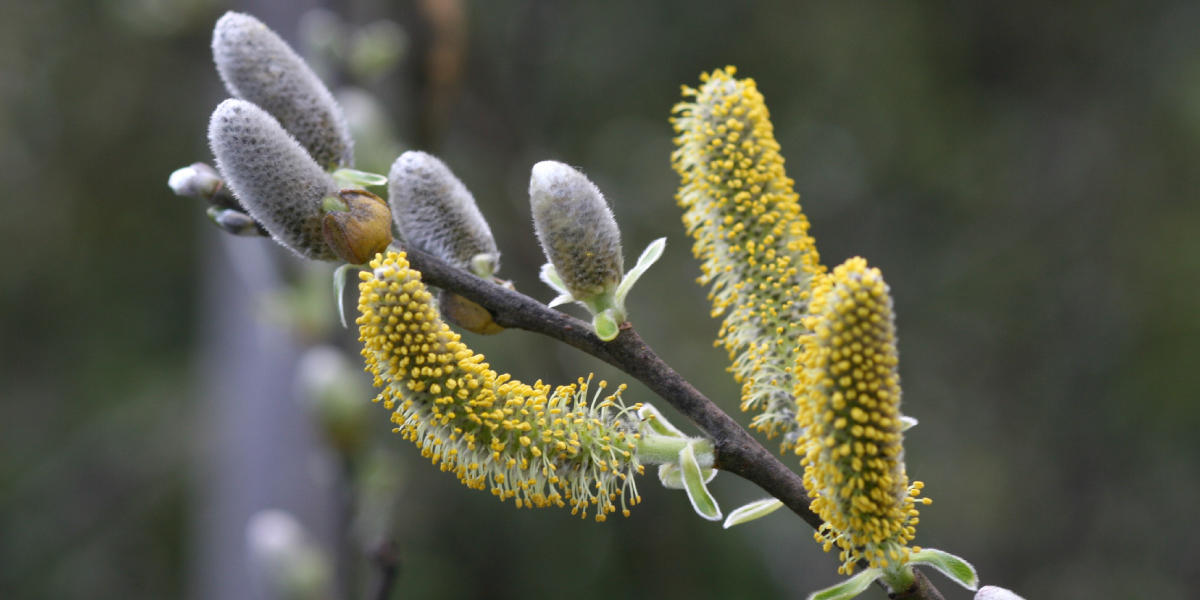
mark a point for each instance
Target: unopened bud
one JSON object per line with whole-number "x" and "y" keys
{"x": 196, "y": 180}
{"x": 467, "y": 314}
{"x": 436, "y": 213}
{"x": 360, "y": 231}
{"x": 576, "y": 229}
{"x": 258, "y": 66}
{"x": 234, "y": 221}
{"x": 272, "y": 176}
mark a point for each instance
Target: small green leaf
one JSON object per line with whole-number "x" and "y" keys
{"x": 605, "y": 325}
{"x": 333, "y": 204}
{"x": 484, "y": 264}
{"x": 950, "y": 565}
{"x": 649, "y": 256}
{"x": 671, "y": 476}
{"x": 848, "y": 588}
{"x": 657, "y": 422}
{"x": 339, "y": 288}
{"x": 693, "y": 481}
{"x": 560, "y": 300}
{"x": 755, "y": 510}
{"x": 359, "y": 178}
{"x": 907, "y": 423}
{"x": 549, "y": 276}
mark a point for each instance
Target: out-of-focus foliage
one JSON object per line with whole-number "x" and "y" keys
{"x": 1023, "y": 172}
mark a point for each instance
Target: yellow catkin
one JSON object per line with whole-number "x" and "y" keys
{"x": 519, "y": 441}
{"x": 750, "y": 236}
{"x": 848, "y": 408}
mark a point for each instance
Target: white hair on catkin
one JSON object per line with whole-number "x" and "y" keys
{"x": 435, "y": 212}
{"x": 258, "y": 66}
{"x": 277, "y": 182}
{"x": 576, "y": 229}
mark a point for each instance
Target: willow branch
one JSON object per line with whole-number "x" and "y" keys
{"x": 737, "y": 451}
{"x": 387, "y": 559}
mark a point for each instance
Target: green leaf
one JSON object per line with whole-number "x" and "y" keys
{"x": 848, "y": 588}
{"x": 333, "y": 204}
{"x": 907, "y": 423}
{"x": 560, "y": 300}
{"x": 605, "y": 325}
{"x": 339, "y": 289}
{"x": 671, "y": 476}
{"x": 649, "y": 256}
{"x": 657, "y": 422}
{"x": 483, "y": 264}
{"x": 950, "y": 565}
{"x": 359, "y": 178}
{"x": 755, "y": 510}
{"x": 693, "y": 481}
{"x": 549, "y": 276}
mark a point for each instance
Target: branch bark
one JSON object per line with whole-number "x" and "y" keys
{"x": 737, "y": 451}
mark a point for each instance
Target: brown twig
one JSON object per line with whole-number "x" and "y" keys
{"x": 737, "y": 451}
{"x": 386, "y": 557}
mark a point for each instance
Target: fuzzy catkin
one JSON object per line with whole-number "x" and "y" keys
{"x": 848, "y": 408}
{"x": 576, "y": 229}
{"x": 751, "y": 238}
{"x": 565, "y": 447}
{"x": 272, "y": 176}
{"x": 258, "y": 66}
{"x": 435, "y": 212}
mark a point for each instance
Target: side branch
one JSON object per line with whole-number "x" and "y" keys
{"x": 736, "y": 451}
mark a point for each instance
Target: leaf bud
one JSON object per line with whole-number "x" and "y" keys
{"x": 196, "y": 180}
{"x": 361, "y": 230}
{"x": 234, "y": 221}
{"x": 467, "y": 314}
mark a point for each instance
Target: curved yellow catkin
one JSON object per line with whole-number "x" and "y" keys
{"x": 519, "y": 441}
{"x": 750, "y": 235}
{"x": 848, "y": 408}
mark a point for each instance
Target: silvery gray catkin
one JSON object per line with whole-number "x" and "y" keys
{"x": 258, "y": 66}
{"x": 436, "y": 213}
{"x": 576, "y": 229}
{"x": 277, "y": 181}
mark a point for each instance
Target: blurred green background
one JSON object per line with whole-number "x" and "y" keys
{"x": 1024, "y": 173}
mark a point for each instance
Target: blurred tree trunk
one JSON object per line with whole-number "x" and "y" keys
{"x": 257, "y": 447}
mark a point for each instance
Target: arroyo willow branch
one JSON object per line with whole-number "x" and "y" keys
{"x": 736, "y": 451}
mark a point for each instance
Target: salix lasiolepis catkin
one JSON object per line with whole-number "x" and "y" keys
{"x": 435, "y": 212}
{"x": 848, "y": 408}
{"x": 526, "y": 442}
{"x": 271, "y": 174}
{"x": 258, "y": 66}
{"x": 750, "y": 235}
{"x": 576, "y": 229}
